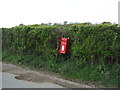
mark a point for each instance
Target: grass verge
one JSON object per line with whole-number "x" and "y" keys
{"x": 105, "y": 75}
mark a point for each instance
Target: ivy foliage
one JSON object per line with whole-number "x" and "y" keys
{"x": 94, "y": 49}
{"x": 89, "y": 42}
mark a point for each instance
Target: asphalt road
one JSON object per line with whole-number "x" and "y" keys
{"x": 9, "y": 81}
{"x": 18, "y": 76}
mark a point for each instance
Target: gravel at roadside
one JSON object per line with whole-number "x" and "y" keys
{"x": 25, "y": 73}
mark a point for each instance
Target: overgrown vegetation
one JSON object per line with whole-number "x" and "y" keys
{"x": 94, "y": 53}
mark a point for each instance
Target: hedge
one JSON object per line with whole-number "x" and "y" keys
{"x": 88, "y": 42}
{"x": 91, "y": 44}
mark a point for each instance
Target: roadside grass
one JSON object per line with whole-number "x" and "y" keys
{"x": 105, "y": 75}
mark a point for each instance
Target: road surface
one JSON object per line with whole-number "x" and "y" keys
{"x": 9, "y": 81}
{"x": 14, "y": 76}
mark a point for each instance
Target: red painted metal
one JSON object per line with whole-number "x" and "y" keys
{"x": 64, "y": 46}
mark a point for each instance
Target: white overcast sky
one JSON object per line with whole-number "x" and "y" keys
{"x": 15, "y": 12}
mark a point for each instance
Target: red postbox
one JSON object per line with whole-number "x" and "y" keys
{"x": 64, "y": 46}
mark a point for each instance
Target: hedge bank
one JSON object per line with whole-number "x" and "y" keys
{"x": 94, "y": 50}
